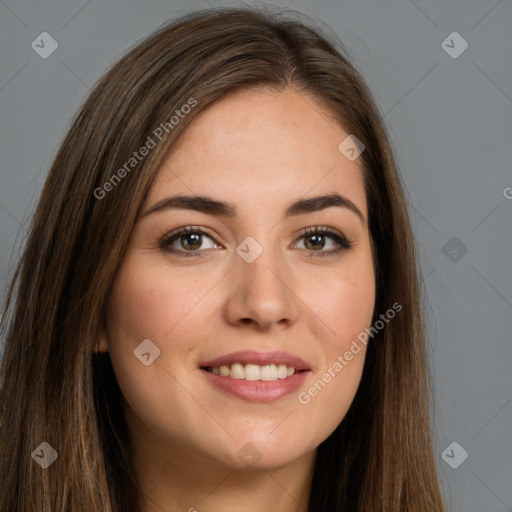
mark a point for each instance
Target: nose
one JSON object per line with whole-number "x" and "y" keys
{"x": 262, "y": 293}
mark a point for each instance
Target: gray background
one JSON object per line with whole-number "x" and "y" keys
{"x": 450, "y": 122}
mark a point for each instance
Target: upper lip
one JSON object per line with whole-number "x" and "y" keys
{"x": 259, "y": 358}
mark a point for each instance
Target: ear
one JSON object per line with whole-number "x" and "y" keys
{"x": 102, "y": 343}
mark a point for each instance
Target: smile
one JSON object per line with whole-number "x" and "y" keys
{"x": 256, "y": 376}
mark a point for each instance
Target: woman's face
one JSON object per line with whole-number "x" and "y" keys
{"x": 248, "y": 289}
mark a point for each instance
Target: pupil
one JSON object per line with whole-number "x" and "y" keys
{"x": 317, "y": 240}
{"x": 192, "y": 236}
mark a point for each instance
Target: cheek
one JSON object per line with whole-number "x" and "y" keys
{"x": 343, "y": 309}
{"x": 346, "y": 308}
{"x": 149, "y": 302}
{"x": 344, "y": 304}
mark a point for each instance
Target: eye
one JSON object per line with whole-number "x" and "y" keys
{"x": 187, "y": 241}
{"x": 191, "y": 240}
{"x": 317, "y": 238}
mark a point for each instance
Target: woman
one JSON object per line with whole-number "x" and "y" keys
{"x": 218, "y": 304}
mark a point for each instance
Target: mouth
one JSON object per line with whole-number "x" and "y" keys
{"x": 253, "y": 365}
{"x": 256, "y": 376}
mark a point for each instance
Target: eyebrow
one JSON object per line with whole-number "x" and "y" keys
{"x": 212, "y": 206}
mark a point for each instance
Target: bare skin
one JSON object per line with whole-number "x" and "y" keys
{"x": 260, "y": 151}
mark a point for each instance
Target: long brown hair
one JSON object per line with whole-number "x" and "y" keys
{"x": 53, "y": 389}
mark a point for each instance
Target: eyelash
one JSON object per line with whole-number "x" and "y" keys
{"x": 343, "y": 243}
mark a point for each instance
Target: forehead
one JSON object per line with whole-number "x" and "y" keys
{"x": 259, "y": 145}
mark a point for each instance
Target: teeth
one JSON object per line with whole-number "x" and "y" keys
{"x": 282, "y": 371}
{"x": 237, "y": 371}
{"x": 267, "y": 372}
{"x": 251, "y": 372}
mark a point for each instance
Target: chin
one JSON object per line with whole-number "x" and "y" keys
{"x": 255, "y": 452}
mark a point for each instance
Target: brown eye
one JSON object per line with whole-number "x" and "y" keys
{"x": 191, "y": 241}
{"x": 187, "y": 241}
{"x": 316, "y": 239}
{"x": 315, "y": 242}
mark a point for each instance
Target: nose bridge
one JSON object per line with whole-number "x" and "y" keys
{"x": 260, "y": 276}
{"x": 262, "y": 282}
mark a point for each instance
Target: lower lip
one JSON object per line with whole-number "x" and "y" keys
{"x": 258, "y": 390}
